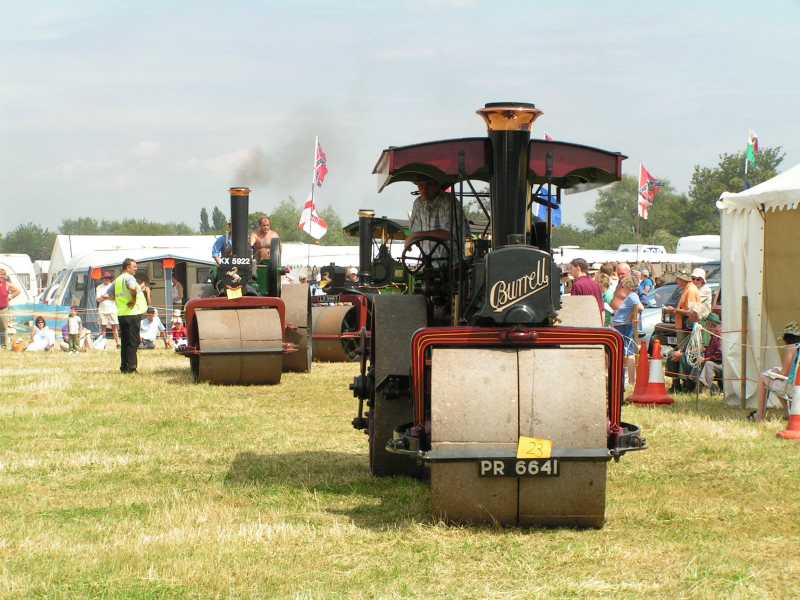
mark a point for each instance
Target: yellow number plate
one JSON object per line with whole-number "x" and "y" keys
{"x": 529, "y": 447}
{"x": 233, "y": 293}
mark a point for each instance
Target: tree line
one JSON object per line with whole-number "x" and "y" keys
{"x": 37, "y": 241}
{"x": 673, "y": 215}
{"x": 611, "y": 223}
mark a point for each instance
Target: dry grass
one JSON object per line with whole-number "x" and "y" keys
{"x": 151, "y": 487}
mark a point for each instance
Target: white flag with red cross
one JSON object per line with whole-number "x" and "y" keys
{"x": 311, "y": 222}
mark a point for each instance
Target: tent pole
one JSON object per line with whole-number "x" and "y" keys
{"x": 743, "y": 382}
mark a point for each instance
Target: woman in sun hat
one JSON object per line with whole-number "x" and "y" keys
{"x": 780, "y": 380}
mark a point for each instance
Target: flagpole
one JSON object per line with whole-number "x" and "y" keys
{"x": 638, "y": 191}
{"x": 313, "y": 183}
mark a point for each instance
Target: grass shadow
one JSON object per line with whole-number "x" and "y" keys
{"x": 174, "y": 375}
{"x": 380, "y": 502}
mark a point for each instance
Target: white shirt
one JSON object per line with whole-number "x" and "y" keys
{"x": 106, "y": 306}
{"x": 149, "y": 330}
{"x": 427, "y": 215}
{"x": 73, "y": 324}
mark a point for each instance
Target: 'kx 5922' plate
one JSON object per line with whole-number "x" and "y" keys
{"x": 518, "y": 467}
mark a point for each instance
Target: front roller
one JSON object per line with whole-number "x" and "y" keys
{"x": 236, "y": 342}
{"x": 328, "y": 325}
{"x": 484, "y": 401}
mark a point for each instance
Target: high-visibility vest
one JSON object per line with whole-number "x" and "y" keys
{"x": 122, "y": 295}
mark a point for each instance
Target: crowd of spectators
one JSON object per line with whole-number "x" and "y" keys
{"x": 622, "y": 294}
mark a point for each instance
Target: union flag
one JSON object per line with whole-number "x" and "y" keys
{"x": 649, "y": 186}
{"x": 320, "y": 165}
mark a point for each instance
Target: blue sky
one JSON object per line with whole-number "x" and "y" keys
{"x": 149, "y": 109}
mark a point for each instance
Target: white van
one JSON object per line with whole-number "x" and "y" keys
{"x": 22, "y": 266}
{"x": 706, "y": 246}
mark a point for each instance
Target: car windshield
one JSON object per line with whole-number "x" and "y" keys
{"x": 661, "y": 295}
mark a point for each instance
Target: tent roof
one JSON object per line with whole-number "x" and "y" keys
{"x": 782, "y": 192}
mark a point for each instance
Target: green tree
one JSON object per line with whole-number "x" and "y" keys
{"x": 205, "y": 227}
{"x": 569, "y": 235}
{"x": 80, "y": 226}
{"x": 30, "y": 239}
{"x": 218, "y": 220}
{"x": 614, "y": 218}
{"x": 335, "y": 236}
{"x": 89, "y": 226}
{"x": 284, "y": 220}
{"x": 728, "y": 176}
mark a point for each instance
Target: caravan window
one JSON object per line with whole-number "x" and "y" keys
{"x": 203, "y": 275}
{"x": 79, "y": 283}
{"x": 24, "y": 280}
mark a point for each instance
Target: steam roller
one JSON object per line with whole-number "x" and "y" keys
{"x": 481, "y": 376}
{"x": 343, "y": 312}
{"x": 251, "y": 332}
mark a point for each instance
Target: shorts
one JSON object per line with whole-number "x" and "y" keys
{"x": 107, "y": 319}
{"x": 626, "y": 330}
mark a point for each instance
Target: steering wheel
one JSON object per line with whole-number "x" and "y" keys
{"x": 435, "y": 257}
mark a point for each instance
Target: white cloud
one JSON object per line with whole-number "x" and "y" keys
{"x": 82, "y": 168}
{"x": 146, "y": 149}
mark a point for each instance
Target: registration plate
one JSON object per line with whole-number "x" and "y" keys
{"x": 518, "y": 467}
{"x": 672, "y": 339}
{"x": 235, "y": 261}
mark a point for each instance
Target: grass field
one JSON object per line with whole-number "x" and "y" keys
{"x": 151, "y": 487}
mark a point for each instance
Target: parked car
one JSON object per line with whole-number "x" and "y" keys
{"x": 651, "y": 315}
{"x": 664, "y": 330}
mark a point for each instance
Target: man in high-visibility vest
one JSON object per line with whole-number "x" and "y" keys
{"x": 131, "y": 305}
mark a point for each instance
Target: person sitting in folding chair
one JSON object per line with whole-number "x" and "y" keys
{"x": 711, "y": 362}
{"x": 780, "y": 380}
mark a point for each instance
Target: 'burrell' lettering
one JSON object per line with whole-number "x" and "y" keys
{"x": 506, "y": 293}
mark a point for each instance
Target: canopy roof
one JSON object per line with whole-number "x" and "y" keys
{"x": 575, "y": 167}
{"x": 782, "y": 192}
{"x": 382, "y": 227}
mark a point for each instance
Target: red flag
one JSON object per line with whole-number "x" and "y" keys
{"x": 320, "y": 165}
{"x": 648, "y": 188}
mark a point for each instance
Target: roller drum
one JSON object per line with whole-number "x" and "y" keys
{"x": 334, "y": 321}
{"x": 554, "y": 394}
{"x": 239, "y": 347}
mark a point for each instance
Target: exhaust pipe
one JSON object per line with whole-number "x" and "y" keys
{"x": 365, "y": 244}
{"x": 509, "y": 125}
{"x": 240, "y": 205}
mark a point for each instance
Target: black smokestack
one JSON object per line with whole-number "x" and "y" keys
{"x": 364, "y": 244}
{"x": 509, "y": 125}
{"x": 240, "y": 205}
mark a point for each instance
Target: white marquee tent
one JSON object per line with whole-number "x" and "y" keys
{"x": 760, "y": 258}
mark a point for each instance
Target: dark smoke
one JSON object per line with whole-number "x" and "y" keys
{"x": 253, "y": 169}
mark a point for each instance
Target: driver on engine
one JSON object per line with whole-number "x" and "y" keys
{"x": 430, "y": 216}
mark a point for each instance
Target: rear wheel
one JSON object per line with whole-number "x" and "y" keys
{"x": 394, "y": 321}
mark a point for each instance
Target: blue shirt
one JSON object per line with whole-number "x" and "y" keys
{"x": 221, "y": 245}
{"x": 645, "y": 289}
{"x": 623, "y": 314}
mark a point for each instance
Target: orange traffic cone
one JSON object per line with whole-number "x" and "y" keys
{"x": 642, "y": 373}
{"x": 792, "y": 431}
{"x": 656, "y": 391}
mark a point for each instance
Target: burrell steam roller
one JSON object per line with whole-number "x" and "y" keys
{"x": 250, "y": 333}
{"x": 481, "y": 377}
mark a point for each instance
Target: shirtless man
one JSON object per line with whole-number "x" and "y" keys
{"x": 261, "y": 238}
